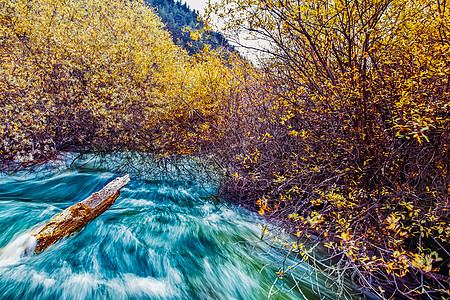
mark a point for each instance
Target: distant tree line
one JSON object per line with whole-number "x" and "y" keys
{"x": 180, "y": 19}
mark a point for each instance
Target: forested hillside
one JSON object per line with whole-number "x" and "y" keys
{"x": 179, "y": 18}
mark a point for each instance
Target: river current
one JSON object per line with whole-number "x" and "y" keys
{"x": 166, "y": 237}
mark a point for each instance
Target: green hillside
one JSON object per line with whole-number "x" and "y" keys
{"x": 178, "y": 17}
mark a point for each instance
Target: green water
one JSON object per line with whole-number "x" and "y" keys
{"x": 164, "y": 238}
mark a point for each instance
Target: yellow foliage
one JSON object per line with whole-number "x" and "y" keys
{"x": 314, "y": 219}
{"x": 100, "y": 74}
{"x": 425, "y": 261}
{"x": 355, "y": 98}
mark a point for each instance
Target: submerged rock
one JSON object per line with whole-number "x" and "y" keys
{"x": 74, "y": 218}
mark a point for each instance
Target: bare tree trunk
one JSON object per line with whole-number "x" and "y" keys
{"x": 74, "y": 218}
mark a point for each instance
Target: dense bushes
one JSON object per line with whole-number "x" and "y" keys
{"x": 347, "y": 137}
{"x": 99, "y": 75}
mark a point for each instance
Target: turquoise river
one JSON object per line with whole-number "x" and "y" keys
{"x": 166, "y": 237}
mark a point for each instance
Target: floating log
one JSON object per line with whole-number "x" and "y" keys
{"x": 74, "y": 218}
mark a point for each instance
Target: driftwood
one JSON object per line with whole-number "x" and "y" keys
{"x": 74, "y": 218}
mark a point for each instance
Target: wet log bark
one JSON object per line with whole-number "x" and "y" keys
{"x": 74, "y": 218}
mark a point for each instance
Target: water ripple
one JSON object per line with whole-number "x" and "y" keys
{"x": 162, "y": 239}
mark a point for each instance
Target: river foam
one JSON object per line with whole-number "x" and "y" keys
{"x": 20, "y": 247}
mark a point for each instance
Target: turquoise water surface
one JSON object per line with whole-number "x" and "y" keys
{"x": 166, "y": 237}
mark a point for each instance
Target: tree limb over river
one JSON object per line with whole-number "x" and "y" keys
{"x": 74, "y": 218}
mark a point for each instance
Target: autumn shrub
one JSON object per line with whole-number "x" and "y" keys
{"x": 344, "y": 135}
{"x": 97, "y": 75}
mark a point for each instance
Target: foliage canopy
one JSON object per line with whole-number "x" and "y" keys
{"x": 100, "y": 75}
{"x": 347, "y": 138}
